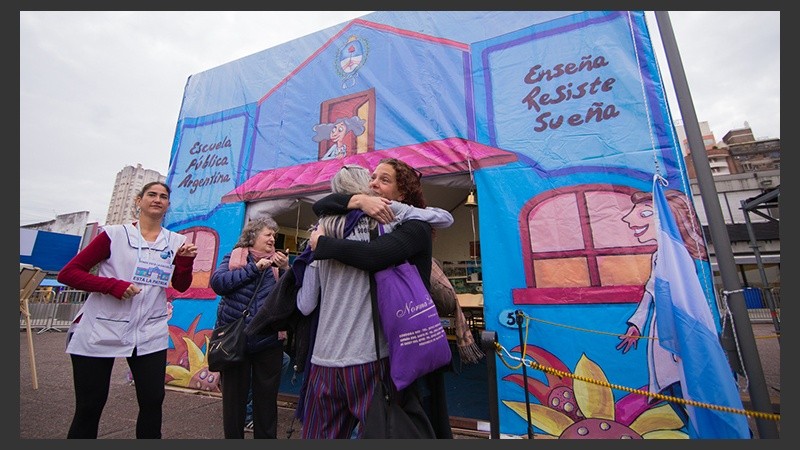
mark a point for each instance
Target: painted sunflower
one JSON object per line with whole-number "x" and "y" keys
{"x": 593, "y": 414}
{"x": 197, "y": 376}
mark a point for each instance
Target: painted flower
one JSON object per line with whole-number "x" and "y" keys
{"x": 558, "y": 393}
{"x": 594, "y": 414}
{"x": 197, "y": 376}
{"x": 179, "y": 355}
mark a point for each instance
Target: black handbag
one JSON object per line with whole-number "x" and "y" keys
{"x": 393, "y": 414}
{"x": 228, "y": 342}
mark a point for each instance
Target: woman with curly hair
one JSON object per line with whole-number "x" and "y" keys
{"x": 410, "y": 240}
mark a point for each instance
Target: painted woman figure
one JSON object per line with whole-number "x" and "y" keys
{"x": 661, "y": 364}
{"x": 336, "y": 132}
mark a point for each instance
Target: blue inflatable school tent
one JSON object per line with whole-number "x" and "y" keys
{"x": 556, "y": 119}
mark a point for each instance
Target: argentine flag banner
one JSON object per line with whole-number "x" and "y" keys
{"x": 686, "y": 328}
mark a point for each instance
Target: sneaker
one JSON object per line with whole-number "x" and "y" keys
{"x": 248, "y": 427}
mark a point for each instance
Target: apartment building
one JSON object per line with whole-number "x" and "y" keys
{"x": 130, "y": 180}
{"x": 744, "y": 169}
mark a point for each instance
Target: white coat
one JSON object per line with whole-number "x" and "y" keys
{"x": 106, "y": 326}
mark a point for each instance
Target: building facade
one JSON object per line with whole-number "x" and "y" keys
{"x": 737, "y": 152}
{"x": 744, "y": 169}
{"x": 129, "y": 182}
{"x": 70, "y": 223}
{"x": 705, "y": 131}
{"x": 732, "y": 190}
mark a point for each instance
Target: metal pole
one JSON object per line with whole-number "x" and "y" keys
{"x": 488, "y": 341}
{"x": 757, "y": 252}
{"x": 759, "y": 395}
{"x": 525, "y": 373}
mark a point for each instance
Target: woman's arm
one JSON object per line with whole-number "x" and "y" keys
{"x": 404, "y": 242}
{"x": 376, "y": 207}
{"x": 331, "y": 204}
{"x": 308, "y": 295}
{"x": 182, "y": 276}
{"x": 76, "y": 273}
{"x": 437, "y": 217}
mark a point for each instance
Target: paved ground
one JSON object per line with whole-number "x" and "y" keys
{"x": 45, "y": 413}
{"x": 769, "y": 351}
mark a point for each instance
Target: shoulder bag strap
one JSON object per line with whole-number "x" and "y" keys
{"x": 246, "y": 311}
{"x": 375, "y": 317}
{"x": 373, "y": 233}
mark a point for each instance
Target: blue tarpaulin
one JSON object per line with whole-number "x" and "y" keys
{"x": 51, "y": 251}
{"x": 753, "y": 299}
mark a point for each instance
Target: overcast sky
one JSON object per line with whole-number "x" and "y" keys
{"x": 102, "y": 90}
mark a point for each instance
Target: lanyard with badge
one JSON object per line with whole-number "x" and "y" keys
{"x": 155, "y": 271}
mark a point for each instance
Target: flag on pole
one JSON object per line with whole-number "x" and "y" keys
{"x": 686, "y": 328}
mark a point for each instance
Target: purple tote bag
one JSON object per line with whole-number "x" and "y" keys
{"x": 417, "y": 341}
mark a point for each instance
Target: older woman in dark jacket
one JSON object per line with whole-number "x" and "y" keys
{"x": 252, "y": 268}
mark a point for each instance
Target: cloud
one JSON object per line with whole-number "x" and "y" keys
{"x": 102, "y": 90}
{"x": 732, "y": 64}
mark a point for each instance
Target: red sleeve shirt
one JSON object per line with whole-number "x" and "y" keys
{"x": 77, "y": 275}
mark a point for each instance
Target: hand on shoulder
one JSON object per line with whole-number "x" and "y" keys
{"x": 376, "y": 207}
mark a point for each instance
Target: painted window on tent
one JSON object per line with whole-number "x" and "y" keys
{"x": 577, "y": 249}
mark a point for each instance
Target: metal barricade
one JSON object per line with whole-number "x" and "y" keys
{"x": 41, "y": 313}
{"x": 757, "y": 302}
{"x": 758, "y": 308}
{"x": 54, "y": 314}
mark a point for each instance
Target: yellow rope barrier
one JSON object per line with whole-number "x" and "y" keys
{"x": 585, "y": 329}
{"x": 499, "y": 349}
